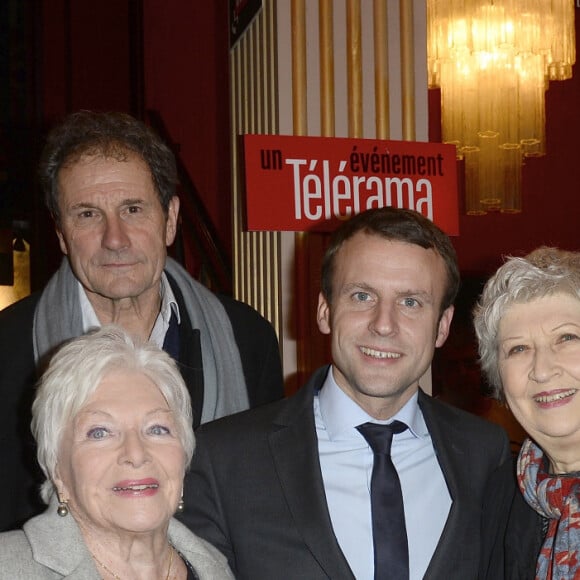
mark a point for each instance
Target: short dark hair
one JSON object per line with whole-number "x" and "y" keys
{"x": 110, "y": 135}
{"x": 396, "y": 224}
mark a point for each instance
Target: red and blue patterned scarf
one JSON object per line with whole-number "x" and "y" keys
{"x": 555, "y": 497}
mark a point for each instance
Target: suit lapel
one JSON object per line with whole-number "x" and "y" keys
{"x": 450, "y": 454}
{"x": 294, "y": 449}
{"x": 446, "y": 441}
{"x": 58, "y": 545}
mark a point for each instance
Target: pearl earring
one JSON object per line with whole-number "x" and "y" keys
{"x": 180, "y": 505}
{"x": 62, "y": 509}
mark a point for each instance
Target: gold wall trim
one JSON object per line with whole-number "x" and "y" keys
{"x": 326, "y": 43}
{"x": 381, "y": 50}
{"x": 354, "y": 68}
{"x": 254, "y": 109}
{"x": 299, "y": 102}
{"x": 408, "y": 69}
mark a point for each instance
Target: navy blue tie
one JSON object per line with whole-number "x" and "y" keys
{"x": 388, "y": 515}
{"x": 171, "y": 341}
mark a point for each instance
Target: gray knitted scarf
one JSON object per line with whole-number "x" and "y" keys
{"x": 58, "y": 318}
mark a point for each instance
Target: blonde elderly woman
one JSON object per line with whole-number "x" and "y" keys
{"x": 528, "y": 326}
{"x": 112, "y": 419}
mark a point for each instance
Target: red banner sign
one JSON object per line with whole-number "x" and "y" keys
{"x": 310, "y": 183}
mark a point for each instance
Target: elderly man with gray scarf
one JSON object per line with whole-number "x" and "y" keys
{"x": 109, "y": 184}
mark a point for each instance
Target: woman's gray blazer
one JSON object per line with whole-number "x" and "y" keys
{"x": 50, "y": 547}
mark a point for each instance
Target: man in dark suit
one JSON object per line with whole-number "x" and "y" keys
{"x": 285, "y": 491}
{"x": 110, "y": 184}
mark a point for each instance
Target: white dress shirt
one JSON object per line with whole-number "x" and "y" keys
{"x": 157, "y": 336}
{"x": 346, "y": 462}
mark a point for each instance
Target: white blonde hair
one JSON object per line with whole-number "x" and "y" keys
{"x": 75, "y": 372}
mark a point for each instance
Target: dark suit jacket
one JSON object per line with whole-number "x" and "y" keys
{"x": 255, "y": 490}
{"x": 20, "y": 474}
{"x": 512, "y": 530}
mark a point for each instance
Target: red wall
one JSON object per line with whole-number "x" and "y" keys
{"x": 84, "y": 63}
{"x": 85, "y": 57}
{"x": 88, "y": 62}
{"x": 187, "y": 79}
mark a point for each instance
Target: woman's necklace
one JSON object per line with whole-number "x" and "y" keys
{"x": 117, "y": 577}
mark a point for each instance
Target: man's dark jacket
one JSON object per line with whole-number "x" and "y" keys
{"x": 20, "y": 475}
{"x": 255, "y": 490}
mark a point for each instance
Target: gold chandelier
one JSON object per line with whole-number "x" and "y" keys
{"x": 493, "y": 61}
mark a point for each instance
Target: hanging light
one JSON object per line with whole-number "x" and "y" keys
{"x": 493, "y": 61}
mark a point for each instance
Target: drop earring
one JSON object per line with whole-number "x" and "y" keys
{"x": 180, "y": 505}
{"x": 62, "y": 509}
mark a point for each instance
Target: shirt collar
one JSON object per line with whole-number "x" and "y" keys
{"x": 341, "y": 414}
{"x": 168, "y": 301}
